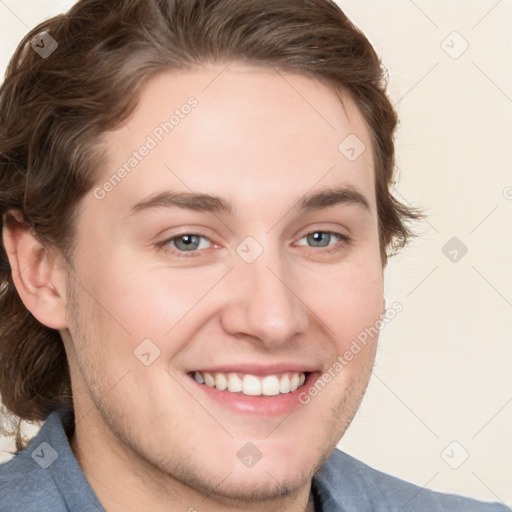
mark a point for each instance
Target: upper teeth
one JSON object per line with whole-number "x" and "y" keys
{"x": 250, "y": 384}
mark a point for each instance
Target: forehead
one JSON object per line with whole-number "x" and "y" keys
{"x": 252, "y": 134}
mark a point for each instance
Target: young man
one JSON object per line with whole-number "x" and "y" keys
{"x": 196, "y": 215}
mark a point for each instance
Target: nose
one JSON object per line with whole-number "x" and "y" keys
{"x": 263, "y": 301}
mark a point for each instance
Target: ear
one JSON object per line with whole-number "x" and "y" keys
{"x": 38, "y": 272}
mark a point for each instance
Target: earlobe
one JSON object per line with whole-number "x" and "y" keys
{"x": 37, "y": 276}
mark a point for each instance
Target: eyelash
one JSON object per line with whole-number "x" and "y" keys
{"x": 164, "y": 244}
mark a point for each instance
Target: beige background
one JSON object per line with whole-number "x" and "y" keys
{"x": 441, "y": 389}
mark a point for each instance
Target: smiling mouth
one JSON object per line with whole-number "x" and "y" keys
{"x": 251, "y": 385}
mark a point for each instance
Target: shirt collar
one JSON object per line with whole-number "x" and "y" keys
{"x": 65, "y": 471}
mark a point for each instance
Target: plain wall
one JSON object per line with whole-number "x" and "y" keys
{"x": 441, "y": 388}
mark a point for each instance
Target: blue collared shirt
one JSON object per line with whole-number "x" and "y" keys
{"x": 46, "y": 477}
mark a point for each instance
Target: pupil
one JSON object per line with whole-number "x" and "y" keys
{"x": 320, "y": 236}
{"x": 187, "y": 241}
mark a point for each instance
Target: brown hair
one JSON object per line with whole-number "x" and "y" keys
{"x": 54, "y": 109}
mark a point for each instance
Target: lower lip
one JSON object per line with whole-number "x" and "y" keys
{"x": 276, "y": 405}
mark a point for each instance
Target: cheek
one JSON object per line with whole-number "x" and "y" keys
{"x": 128, "y": 302}
{"x": 348, "y": 301}
{"x": 155, "y": 300}
{"x": 123, "y": 292}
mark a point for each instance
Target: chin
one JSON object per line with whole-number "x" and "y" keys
{"x": 282, "y": 469}
{"x": 260, "y": 484}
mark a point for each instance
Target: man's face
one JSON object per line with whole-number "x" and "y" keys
{"x": 264, "y": 293}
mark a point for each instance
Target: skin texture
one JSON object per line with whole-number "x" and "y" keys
{"x": 147, "y": 437}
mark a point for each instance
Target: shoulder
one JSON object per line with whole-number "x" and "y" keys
{"x": 45, "y": 476}
{"x": 345, "y": 483}
{"x": 25, "y": 485}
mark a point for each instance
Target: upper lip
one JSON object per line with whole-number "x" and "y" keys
{"x": 258, "y": 369}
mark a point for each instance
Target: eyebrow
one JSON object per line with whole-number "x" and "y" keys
{"x": 209, "y": 203}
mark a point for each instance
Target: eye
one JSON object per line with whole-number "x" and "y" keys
{"x": 321, "y": 239}
{"x": 185, "y": 243}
